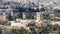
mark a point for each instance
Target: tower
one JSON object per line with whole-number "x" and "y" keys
{"x": 24, "y": 16}
{"x": 11, "y": 13}
{"x": 38, "y": 16}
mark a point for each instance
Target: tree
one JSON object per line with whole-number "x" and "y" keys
{"x": 3, "y": 22}
{"x": 33, "y": 31}
{"x": 42, "y": 9}
{"x": 29, "y": 17}
{"x": 46, "y": 16}
{"x": 23, "y": 31}
{"x": 13, "y": 31}
{"x": 39, "y": 31}
{"x": 0, "y": 31}
{"x": 9, "y": 17}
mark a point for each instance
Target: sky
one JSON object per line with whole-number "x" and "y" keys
{"x": 58, "y": 1}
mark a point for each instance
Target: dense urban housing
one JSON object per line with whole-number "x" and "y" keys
{"x": 29, "y": 17}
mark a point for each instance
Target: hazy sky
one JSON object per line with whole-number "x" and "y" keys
{"x": 58, "y": 1}
{"x": 40, "y": 0}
